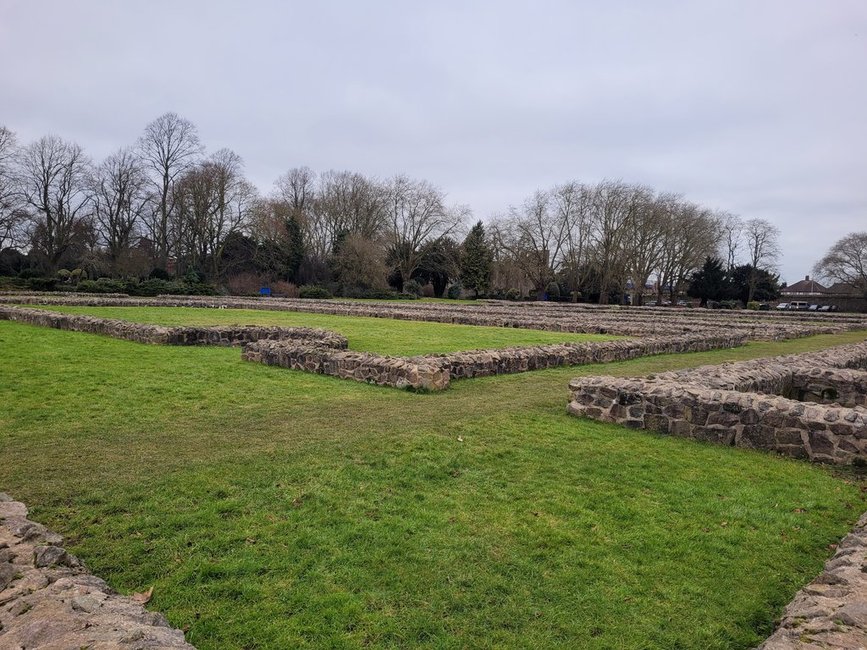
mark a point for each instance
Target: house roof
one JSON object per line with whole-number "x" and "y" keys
{"x": 844, "y": 289}
{"x": 806, "y": 287}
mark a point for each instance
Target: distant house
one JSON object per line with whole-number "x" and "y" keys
{"x": 806, "y": 288}
{"x": 847, "y": 297}
{"x": 841, "y": 295}
{"x": 846, "y": 290}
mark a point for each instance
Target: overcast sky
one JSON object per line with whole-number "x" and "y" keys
{"x": 756, "y": 107}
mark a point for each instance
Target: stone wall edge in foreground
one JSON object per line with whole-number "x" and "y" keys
{"x": 48, "y": 598}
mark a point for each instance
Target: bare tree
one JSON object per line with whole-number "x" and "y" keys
{"x": 731, "y": 228}
{"x": 613, "y": 211}
{"x": 692, "y": 234}
{"x": 572, "y": 204}
{"x": 296, "y": 188}
{"x": 169, "y": 146}
{"x": 416, "y": 213}
{"x": 535, "y": 236}
{"x": 54, "y": 179}
{"x": 120, "y": 198}
{"x": 762, "y": 242}
{"x": 11, "y": 214}
{"x": 349, "y": 203}
{"x": 846, "y": 261}
{"x": 213, "y": 200}
{"x": 236, "y": 199}
{"x": 649, "y": 224}
{"x": 360, "y": 263}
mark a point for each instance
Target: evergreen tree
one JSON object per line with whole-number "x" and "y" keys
{"x": 709, "y": 282}
{"x": 762, "y": 284}
{"x": 439, "y": 264}
{"x": 476, "y": 261}
{"x": 293, "y": 248}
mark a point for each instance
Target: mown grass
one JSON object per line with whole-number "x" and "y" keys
{"x": 364, "y": 334}
{"x": 275, "y": 509}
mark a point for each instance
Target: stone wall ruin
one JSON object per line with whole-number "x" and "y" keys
{"x": 48, "y": 598}
{"x": 325, "y": 352}
{"x": 555, "y": 317}
{"x": 232, "y": 335}
{"x": 747, "y": 404}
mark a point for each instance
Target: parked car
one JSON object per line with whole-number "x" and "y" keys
{"x": 814, "y": 307}
{"x": 764, "y": 307}
{"x": 799, "y": 305}
{"x": 783, "y": 306}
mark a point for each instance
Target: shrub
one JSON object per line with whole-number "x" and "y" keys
{"x": 102, "y": 285}
{"x": 454, "y": 291}
{"x": 244, "y": 284}
{"x": 193, "y": 277}
{"x": 9, "y": 282}
{"x": 29, "y": 274}
{"x": 160, "y": 274}
{"x": 553, "y": 291}
{"x": 110, "y": 285}
{"x": 153, "y": 287}
{"x": 412, "y": 286}
{"x": 753, "y": 305}
{"x": 314, "y": 292}
{"x": 88, "y": 286}
{"x": 406, "y": 296}
{"x": 372, "y": 294}
{"x": 197, "y": 289}
{"x": 64, "y": 275}
{"x": 513, "y": 294}
{"x": 284, "y": 289}
{"x": 41, "y": 284}
{"x": 428, "y": 291}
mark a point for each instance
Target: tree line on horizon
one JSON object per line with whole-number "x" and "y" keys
{"x": 164, "y": 206}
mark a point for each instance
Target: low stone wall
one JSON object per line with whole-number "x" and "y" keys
{"x": 625, "y": 321}
{"x": 818, "y": 432}
{"x": 834, "y": 385}
{"x": 324, "y": 352}
{"x": 416, "y": 373}
{"x": 436, "y": 371}
{"x": 830, "y": 376}
{"x": 158, "y": 334}
{"x": 831, "y": 611}
{"x": 484, "y": 363}
{"x": 735, "y": 404}
{"x": 48, "y": 599}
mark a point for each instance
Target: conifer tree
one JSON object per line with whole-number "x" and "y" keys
{"x": 476, "y": 261}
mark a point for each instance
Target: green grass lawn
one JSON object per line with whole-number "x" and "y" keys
{"x": 384, "y": 336}
{"x": 277, "y": 509}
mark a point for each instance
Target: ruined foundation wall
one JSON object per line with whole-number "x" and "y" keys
{"x": 740, "y": 404}
{"x": 48, "y": 598}
{"x": 436, "y": 371}
{"x": 537, "y": 315}
{"x": 158, "y": 334}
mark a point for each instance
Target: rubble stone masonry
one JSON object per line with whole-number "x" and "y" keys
{"x": 746, "y": 404}
{"x": 159, "y": 334}
{"x": 48, "y": 599}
